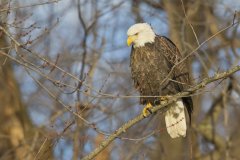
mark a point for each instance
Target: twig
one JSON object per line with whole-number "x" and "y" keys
{"x": 197, "y": 48}
{"x": 31, "y": 5}
{"x": 84, "y": 45}
{"x": 41, "y": 147}
{"x": 162, "y": 107}
{"x": 194, "y": 33}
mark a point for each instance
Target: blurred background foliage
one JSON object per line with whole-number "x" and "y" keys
{"x": 65, "y": 80}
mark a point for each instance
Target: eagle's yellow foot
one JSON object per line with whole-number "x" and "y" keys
{"x": 164, "y": 99}
{"x": 147, "y": 110}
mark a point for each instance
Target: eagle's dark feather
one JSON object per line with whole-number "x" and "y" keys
{"x": 151, "y": 64}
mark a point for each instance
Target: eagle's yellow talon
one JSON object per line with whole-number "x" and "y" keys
{"x": 164, "y": 98}
{"x": 147, "y": 110}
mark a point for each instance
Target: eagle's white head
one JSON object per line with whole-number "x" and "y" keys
{"x": 139, "y": 34}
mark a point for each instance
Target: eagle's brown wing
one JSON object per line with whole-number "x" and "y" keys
{"x": 180, "y": 71}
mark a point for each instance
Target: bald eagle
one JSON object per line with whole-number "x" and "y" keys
{"x": 152, "y": 59}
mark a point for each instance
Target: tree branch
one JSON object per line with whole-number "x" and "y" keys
{"x": 163, "y": 107}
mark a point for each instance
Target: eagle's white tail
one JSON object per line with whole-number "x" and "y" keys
{"x": 175, "y": 120}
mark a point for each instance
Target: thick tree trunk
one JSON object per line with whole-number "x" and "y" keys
{"x": 16, "y": 131}
{"x": 184, "y": 37}
{"x": 13, "y": 116}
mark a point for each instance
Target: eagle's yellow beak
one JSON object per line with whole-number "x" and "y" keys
{"x": 131, "y": 39}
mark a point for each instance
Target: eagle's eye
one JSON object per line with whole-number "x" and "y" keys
{"x": 136, "y": 34}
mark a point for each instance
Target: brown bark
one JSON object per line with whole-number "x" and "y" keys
{"x": 16, "y": 131}
{"x": 14, "y": 120}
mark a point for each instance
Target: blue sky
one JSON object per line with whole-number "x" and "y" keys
{"x": 113, "y": 27}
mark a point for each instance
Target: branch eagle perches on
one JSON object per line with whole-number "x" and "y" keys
{"x": 162, "y": 108}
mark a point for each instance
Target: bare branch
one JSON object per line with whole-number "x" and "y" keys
{"x": 161, "y": 108}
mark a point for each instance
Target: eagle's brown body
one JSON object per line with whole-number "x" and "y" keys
{"x": 151, "y": 65}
